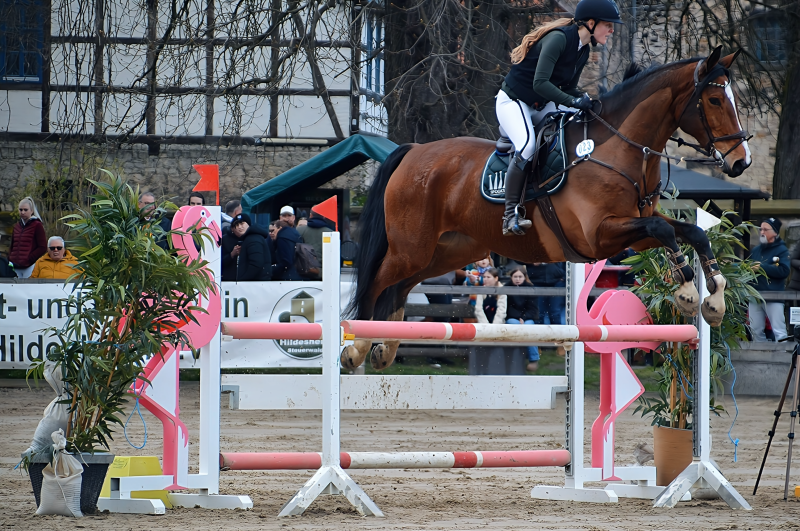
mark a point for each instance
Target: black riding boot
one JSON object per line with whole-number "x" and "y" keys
{"x": 514, "y": 221}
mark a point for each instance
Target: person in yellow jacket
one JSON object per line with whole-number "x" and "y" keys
{"x": 57, "y": 263}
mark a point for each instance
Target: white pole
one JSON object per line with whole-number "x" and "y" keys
{"x": 331, "y": 344}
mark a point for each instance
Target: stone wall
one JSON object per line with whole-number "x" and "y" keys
{"x": 169, "y": 174}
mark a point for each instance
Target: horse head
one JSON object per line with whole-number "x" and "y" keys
{"x": 711, "y": 116}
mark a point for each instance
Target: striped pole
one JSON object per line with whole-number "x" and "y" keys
{"x": 378, "y": 460}
{"x": 253, "y": 330}
{"x": 378, "y": 330}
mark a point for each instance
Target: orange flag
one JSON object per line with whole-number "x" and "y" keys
{"x": 330, "y": 209}
{"x": 209, "y": 179}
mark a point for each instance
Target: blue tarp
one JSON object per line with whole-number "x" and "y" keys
{"x": 318, "y": 170}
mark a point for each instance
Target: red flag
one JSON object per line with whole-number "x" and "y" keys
{"x": 209, "y": 179}
{"x": 330, "y": 209}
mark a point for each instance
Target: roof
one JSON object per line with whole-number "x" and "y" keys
{"x": 694, "y": 185}
{"x": 320, "y": 169}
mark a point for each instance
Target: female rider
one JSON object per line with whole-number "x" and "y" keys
{"x": 545, "y": 71}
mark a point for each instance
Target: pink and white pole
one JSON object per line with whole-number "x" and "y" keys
{"x": 385, "y": 460}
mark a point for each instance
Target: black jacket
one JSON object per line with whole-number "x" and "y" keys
{"x": 776, "y": 271}
{"x": 547, "y": 275}
{"x": 794, "y": 283}
{"x": 229, "y": 241}
{"x": 254, "y": 260}
{"x": 523, "y": 307}
{"x": 284, "y": 268}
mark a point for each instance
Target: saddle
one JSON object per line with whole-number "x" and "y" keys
{"x": 546, "y": 177}
{"x": 549, "y": 161}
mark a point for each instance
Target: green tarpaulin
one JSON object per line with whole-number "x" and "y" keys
{"x": 318, "y": 170}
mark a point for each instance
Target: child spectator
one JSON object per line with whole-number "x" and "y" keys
{"x": 475, "y": 273}
{"x": 524, "y": 309}
{"x": 491, "y": 308}
{"x": 28, "y": 240}
{"x": 57, "y": 263}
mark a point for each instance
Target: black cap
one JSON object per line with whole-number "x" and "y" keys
{"x": 775, "y": 223}
{"x": 239, "y": 218}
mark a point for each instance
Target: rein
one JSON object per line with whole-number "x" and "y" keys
{"x": 716, "y": 160}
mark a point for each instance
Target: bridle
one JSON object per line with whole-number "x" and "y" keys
{"x": 712, "y": 156}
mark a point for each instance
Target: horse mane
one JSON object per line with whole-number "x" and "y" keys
{"x": 635, "y": 79}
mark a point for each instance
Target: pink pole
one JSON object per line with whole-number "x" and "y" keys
{"x": 518, "y": 333}
{"x": 380, "y": 460}
{"x": 273, "y": 330}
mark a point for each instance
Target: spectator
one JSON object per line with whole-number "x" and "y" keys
{"x": 287, "y": 215}
{"x": 626, "y": 278}
{"x": 524, "y": 309}
{"x": 474, "y": 276}
{"x": 491, "y": 308}
{"x": 273, "y": 231}
{"x": 196, "y": 199}
{"x": 253, "y": 260}
{"x": 147, "y": 206}
{"x": 57, "y": 263}
{"x": 285, "y": 240}
{"x": 28, "y": 240}
{"x": 231, "y": 248}
{"x": 551, "y": 309}
{"x": 772, "y": 258}
{"x": 232, "y": 209}
{"x": 794, "y": 283}
{"x": 312, "y": 234}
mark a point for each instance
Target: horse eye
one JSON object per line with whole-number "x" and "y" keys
{"x": 715, "y": 101}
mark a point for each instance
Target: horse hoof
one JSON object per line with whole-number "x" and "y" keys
{"x": 380, "y": 357}
{"x": 351, "y": 358}
{"x": 686, "y": 299}
{"x": 712, "y": 314}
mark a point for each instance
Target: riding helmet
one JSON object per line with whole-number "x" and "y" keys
{"x": 605, "y": 10}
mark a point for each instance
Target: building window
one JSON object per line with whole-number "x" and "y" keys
{"x": 21, "y": 40}
{"x": 769, "y": 38}
{"x": 373, "y": 46}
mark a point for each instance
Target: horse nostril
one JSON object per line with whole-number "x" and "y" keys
{"x": 738, "y": 168}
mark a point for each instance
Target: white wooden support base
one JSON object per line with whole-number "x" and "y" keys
{"x": 642, "y": 492}
{"x": 131, "y": 506}
{"x": 542, "y": 492}
{"x": 210, "y": 501}
{"x": 330, "y": 480}
{"x": 701, "y": 474}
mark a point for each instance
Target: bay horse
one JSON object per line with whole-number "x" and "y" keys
{"x": 425, "y": 216}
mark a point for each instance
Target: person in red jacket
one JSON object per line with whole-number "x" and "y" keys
{"x": 28, "y": 240}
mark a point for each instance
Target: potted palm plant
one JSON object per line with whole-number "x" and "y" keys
{"x": 129, "y": 297}
{"x": 671, "y": 408}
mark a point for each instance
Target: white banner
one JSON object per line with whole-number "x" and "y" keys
{"x": 26, "y": 308}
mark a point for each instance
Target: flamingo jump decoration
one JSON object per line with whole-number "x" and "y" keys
{"x": 619, "y": 386}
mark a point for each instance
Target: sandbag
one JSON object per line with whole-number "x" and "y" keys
{"x": 55, "y": 414}
{"x": 61, "y": 482}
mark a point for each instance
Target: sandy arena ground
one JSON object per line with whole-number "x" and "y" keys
{"x": 421, "y": 499}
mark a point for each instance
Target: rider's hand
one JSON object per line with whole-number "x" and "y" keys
{"x": 583, "y": 103}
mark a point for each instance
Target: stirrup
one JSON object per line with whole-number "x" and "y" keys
{"x": 514, "y": 225}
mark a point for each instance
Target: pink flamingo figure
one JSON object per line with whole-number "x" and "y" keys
{"x": 160, "y": 396}
{"x": 619, "y": 386}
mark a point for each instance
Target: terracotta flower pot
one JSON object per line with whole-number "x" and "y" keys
{"x": 672, "y": 453}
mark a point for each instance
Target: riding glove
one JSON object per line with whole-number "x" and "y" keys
{"x": 583, "y": 103}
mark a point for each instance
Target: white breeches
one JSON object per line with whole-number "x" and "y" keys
{"x": 516, "y": 122}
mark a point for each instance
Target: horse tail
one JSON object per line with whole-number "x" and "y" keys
{"x": 373, "y": 243}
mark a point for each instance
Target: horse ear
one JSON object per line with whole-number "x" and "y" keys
{"x": 728, "y": 60}
{"x": 713, "y": 59}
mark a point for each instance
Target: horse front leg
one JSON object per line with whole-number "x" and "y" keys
{"x": 713, "y": 306}
{"x": 616, "y": 234}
